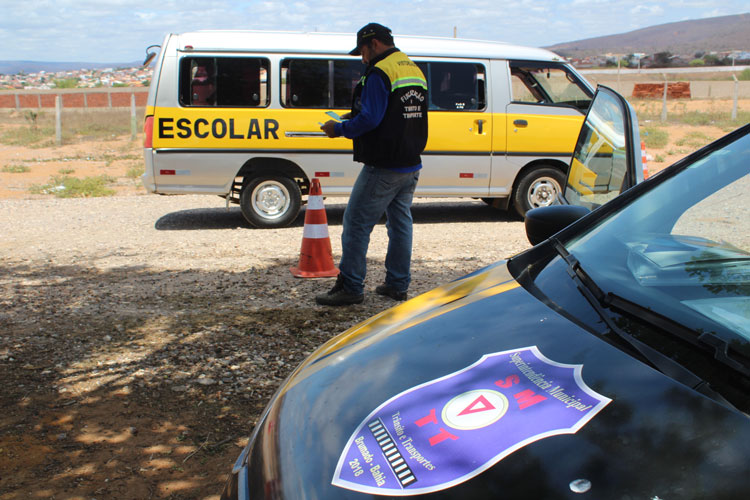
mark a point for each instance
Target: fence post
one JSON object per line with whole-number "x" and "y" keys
{"x": 618, "y": 74}
{"x": 109, "y": 98}
{"x": 664, "y": 100}
{"x": 18, "y": 103}
{"x": 58, "y": 120}
{"x": 132, "y": 117}
{"x": 736, "y": 91}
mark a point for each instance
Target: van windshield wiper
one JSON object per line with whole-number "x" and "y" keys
{"x": 661, "y": 362}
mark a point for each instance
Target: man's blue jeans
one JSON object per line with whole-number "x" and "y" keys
{"x": 378, "y": 191}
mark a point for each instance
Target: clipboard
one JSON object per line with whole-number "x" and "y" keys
{"x": 335, "y": 116}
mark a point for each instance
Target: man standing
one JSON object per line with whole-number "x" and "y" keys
{"x": 388, "y": 124}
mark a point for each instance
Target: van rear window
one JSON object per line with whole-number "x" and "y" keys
{"x": 224, "y": 81}
{"x": 319, "y": 83}
{"x": 455, "y": 86}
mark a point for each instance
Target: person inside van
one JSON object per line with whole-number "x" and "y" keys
{"x": 203, "y": 86}
{"x": 388, "y": 124}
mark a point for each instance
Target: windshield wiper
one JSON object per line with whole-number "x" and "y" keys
{"x": 718, "y": 347}
{"x": 661, "y": 362}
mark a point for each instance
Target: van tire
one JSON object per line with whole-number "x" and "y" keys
{"x": 538, "y": 187}
{"x": 270, "y": 201}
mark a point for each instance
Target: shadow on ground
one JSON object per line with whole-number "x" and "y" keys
{"x": 423, "y": 213}
{"x": 134, "y": 383}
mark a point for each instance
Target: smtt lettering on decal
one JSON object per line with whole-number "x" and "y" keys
{"x": 442, "y": 435}
{"x": 524, "y": 398}
{"x": 217, "y": 129}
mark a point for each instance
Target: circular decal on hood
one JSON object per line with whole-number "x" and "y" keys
{"x": 475, "y": 409}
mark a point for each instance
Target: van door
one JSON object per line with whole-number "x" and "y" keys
{"x": 315, "y": 89}
{"x": 458, "y": 153}
{"x": 548, "y": 103}
{"x": 605, "y": 161}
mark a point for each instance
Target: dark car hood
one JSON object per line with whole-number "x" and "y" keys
{"x": 619, "y": 429}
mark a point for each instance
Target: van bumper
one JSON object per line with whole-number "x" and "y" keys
{"x": 149, "y": 182}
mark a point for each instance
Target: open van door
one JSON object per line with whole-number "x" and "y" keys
{"x": 606, "y": 161}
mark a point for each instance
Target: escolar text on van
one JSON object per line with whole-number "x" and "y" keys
{"x": 237, "y": 114}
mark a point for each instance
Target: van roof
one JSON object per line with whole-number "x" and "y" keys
{"x": 340, "y": 43}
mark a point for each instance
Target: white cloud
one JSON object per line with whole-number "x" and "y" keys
{"x": 651, "y": 10}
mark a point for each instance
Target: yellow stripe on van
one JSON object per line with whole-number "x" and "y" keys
{"x": 264, "y": 128}
{"x": 560, "y": 133}
{"x": 242, "y": 128}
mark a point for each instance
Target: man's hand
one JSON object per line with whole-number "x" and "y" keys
{"x": 327, "y": 127}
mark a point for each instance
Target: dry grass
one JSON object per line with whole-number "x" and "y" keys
{"x": 36, "y": 129}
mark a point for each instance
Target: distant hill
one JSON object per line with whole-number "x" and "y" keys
{"x": 15, "y": 67}
{"x": 681, "y": 38}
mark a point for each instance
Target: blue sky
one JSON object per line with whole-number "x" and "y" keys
{"x": 120, "y": 30}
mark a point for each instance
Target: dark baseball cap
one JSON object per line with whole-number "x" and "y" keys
{"x": 370, "y": 32}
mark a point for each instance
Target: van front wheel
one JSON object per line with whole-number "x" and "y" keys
{"x": 538, "y": 188}
{"x": 269, "y": 201}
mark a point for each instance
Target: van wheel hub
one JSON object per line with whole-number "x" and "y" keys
{"x": 270, "y": 199}
{"x": 543, "y": 192}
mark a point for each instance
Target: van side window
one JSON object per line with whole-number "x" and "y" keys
{"x": 224, "y": 81}
{"x": 455, "y": 86}
{"x": 319, "y": 83}
{"x": 545, "y": 83}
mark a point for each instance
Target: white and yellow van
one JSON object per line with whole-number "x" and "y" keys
{"x": 238, "y": 113}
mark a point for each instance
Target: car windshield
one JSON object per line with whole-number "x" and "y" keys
{"x": 682, "y": 249}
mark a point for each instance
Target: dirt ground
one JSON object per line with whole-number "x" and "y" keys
{"x": 142, "y": 336}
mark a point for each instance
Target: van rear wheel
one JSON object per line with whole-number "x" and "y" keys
{"x": 269, "y": 201}
{"x": 538, "y": 187}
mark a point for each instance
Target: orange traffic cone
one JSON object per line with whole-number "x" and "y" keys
{"x": 315, "y": 257}
{"x": 644, "y": 160}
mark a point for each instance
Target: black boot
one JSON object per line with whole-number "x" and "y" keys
{"x": 339, "y": 296}
{"x": 391, "y": 292}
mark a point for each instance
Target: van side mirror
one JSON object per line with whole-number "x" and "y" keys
{"x": 543, "y": 222}
{"x": 150, "y": 55}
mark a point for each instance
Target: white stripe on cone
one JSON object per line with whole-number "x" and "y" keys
{"x": 315, "y": 231}
{"x": 315, "y": 203}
